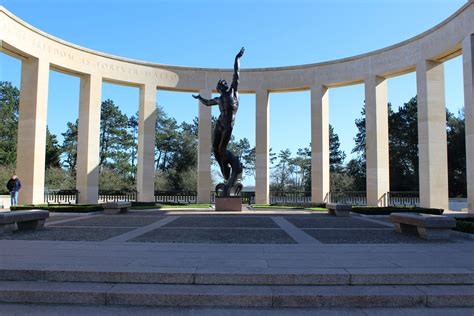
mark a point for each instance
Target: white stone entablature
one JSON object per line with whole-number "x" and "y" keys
{"x": 424, "y": 54}
{"x": 439, "y": 43}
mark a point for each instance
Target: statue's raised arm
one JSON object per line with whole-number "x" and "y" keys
{"x": 235, "y": 79}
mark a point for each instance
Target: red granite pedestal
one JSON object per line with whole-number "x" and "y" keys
{"x": 229, "y": 204}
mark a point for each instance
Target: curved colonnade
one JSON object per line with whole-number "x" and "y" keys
{"x": 425, "y": 54}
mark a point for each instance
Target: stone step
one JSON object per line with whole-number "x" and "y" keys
{"x": 236, "y": 295}
{"x": 245, "y": 276}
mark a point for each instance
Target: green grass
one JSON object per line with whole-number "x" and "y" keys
{"x": 289, "y": 207}
{"x": 165, "y": 206}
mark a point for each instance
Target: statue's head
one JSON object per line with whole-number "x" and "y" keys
{"x": 222, "y": 86}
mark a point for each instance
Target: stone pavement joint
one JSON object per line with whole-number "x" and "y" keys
{"x": 297, "y": 234}
{"x": 142, "y": 230}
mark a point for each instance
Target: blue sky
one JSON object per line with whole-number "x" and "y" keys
{"x": 209, "y": 33}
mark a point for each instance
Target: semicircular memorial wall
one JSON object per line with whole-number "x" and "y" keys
{"x": 423, "y": 54}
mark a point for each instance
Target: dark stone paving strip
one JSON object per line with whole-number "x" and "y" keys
{"x": 224, "y": 221}
{"x": 365, "y": 236}
{"x": 67, "y": 234}
{"x": 104, "y": 227}
{"x": 332, "y": 222}
{"x": 216, "y": 236}
{"x": 51, "y": 219}
{"x": 113, "y": 221}
{"x": 220, "y": 228}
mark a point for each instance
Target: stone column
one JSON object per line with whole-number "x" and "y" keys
{"x": 376, "y": 126}
{"x": 262, "y": 187}
{"x": 204, "y": 149}
{"x": 319, "y": 144}
{"x": 468, "y": 69}
{"x": 88, "y": 139}
{"x": 432, "y": 143}
{"x": 31, "y": 145}
{"x": 146, "y": 144}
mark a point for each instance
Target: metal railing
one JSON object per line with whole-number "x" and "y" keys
{"x": 176, "y": 197}
{"x": 405, "y": 198}
{"x": 348, "y": 197}
{"x": 117, "y": 196}
{"x": 290, "y": 197}
{"x": 61, "y": 196}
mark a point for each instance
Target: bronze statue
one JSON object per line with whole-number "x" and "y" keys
{"x": 228, "y": 102}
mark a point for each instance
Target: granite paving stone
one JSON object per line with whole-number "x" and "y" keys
{"x": 383, "y": 236}
{"x": 211, "y": 235}
{"x": 56, "y": 218}
{"x": 224, "y": 222}
{"x": 67, "y": 234}
{"x": 113, "y": 221}
{"x": 330, "y": 222}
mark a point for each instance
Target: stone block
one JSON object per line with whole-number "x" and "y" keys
{"x": 190, "y": 295}
{"x": 347, "y": 296}
{"x": 228, "y": 204}
{"x": 426, "y": 225}
{"x": 112, "y": 208}
{"x": 7, "y": 228}
{"x": 340, "y": 210}
{"x": 31, "y": 225}
{"x": 408, "y": 276}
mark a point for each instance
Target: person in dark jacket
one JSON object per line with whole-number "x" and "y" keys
{"x": 14, "y": 186}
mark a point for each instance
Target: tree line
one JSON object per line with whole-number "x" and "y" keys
{"x": 176, "y": 152}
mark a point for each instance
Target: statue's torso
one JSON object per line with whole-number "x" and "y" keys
{"x": 228, "y": 106}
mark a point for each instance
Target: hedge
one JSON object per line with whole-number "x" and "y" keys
{"x": 69, "y": 208}
{"x": 373, "y": 210}
{"x": 465, "y": 225}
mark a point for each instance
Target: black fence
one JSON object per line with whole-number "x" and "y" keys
{"x": 289, "y": 198}
{"x": 176, "y": 197}
{"x": 117, "y": 196}
{"x": 393, "y": 198}
{"x": 61, "y": 196}
{"x": 406, "y": 198}
{"x": 348, "y": 197}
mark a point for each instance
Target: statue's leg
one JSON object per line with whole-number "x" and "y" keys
{"x": 236, "y": 170}
{"x": 215, "y": 148}
{"x": 225, "y": 138}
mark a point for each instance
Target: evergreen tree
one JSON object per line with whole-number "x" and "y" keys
{"x": 69, "y": 147}
{"x": 9, "y": 109}
{"x": 336, "y": 156}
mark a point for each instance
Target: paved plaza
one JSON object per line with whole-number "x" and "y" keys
{"x": 251, "y": 227}
{"x": 261, "y": 259}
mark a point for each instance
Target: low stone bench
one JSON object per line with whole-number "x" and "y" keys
{"x": 25, "y": 220}
{"x": 111, "y": 208}
{"x": 340, "y": 210}
{"x": 428, "y": 226}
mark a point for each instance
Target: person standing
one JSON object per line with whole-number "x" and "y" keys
{"x": 14, "y": 186}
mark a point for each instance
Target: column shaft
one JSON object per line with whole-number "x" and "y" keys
{"x": 468, "y": 69}
{"x": 377, "y": 154}
{"x": 432, "y": 143}
{"x": 319, "y": 144}
{"x": 31, "y": 146}
{"x": 146, "y": 144}
{"x": 204, "y": 149}
{"x": 88, "y": 142}
{"x": 262, "y": 187}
